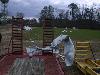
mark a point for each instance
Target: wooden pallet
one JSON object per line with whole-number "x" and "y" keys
{"x": 48, "y": 34}
{"x": 17, "y": 33}
{"x": 83, "y": 59}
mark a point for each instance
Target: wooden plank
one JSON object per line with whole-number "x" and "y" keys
{"x": 27, "y": 66}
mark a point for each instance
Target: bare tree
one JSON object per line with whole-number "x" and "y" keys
{"x": 4, "y": 11}
{"x": 74, "y": 10}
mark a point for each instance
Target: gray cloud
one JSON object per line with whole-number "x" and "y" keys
{"x": 31, "y": 8}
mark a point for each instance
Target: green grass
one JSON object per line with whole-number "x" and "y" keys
{"x": 78, "y": 34}
{"x": 35, "y": 34}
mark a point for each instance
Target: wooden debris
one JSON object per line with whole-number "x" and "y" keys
{"x": 27, "y": 66}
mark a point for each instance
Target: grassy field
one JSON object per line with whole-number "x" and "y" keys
{"x": 76, "y": 34}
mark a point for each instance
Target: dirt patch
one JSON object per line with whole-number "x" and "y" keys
{"x": 95, "y": 46}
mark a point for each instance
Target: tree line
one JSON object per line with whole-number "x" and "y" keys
{"x": 73, "y": 16}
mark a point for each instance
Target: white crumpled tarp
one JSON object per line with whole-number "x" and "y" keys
{"x": 69, "y": 50}
{"x": 47, "y": 48}
{"x": 31, "y": 51}
{"x": 27, "y": 28}
{"x": 58, "y": 40}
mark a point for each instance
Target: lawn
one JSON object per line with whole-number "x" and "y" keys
{"x": 75, "y": 34}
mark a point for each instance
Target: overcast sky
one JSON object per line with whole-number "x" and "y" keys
{"x": 31, "y": 8}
